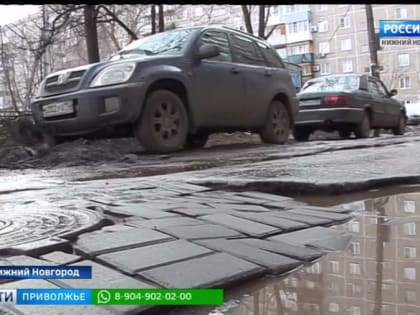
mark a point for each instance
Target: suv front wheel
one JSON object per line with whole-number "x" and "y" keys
{"x": 163, "y": 125}
{"x": 277, "y": 125}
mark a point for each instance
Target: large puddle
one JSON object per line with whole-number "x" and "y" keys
{"x": 378, "y": 275}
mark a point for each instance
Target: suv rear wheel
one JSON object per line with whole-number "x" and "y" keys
{"x": 163, "y": 125}
{"x": 277, "y": 125}
{"x": 400, "y": 129}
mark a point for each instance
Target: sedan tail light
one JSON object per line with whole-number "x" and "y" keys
{"x": 335, "y": 100}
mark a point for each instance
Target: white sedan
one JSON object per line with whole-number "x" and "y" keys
{"x": 413, "y": 113}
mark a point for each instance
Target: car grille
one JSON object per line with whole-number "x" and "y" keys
{"x": 53, "y": 86}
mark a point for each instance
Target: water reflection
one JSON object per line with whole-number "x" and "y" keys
{"x": 378, "y": 275}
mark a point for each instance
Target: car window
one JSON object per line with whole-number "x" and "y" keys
{"x": 373, "y": 87}
{"x": 273, "y": 59}
{"x": 219, "y": 39}
{"x": 335, "y": 83}
{"x": 245, "y": 51}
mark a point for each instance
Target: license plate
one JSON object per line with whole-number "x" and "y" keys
{"x": 58, "y": 109}
{"x": 309, "y": 102}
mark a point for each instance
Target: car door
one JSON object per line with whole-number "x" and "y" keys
{"x": 379, "y": 117}
{"x": 250, "y": 62}
{"x": 392, "y": 107}
{"x": 218, "y": 87}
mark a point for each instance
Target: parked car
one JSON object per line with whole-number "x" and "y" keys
{"x": 175, "y": 88}
{"x": 413, "y": 113}
{"x": 348, "y": 103}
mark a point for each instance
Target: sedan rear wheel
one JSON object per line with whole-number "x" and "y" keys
{"x": 362, "y": 129}
{"x": 277, "y": 125}
{"x": 400, "y": 129}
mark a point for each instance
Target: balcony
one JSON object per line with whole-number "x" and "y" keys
{"x": 301, "y": 58}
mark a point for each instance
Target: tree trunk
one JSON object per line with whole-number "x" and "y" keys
{"x": 247, "y": 18}
{"x": 161, "y": 19}
{"x": 261, "y": 21}
{"x": 6, "y": 72}
{"x": 91, "y": 33}
{"x": 153, "y": 17}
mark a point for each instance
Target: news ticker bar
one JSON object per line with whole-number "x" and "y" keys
{"x": 112, "y": 296}
{"x": 45, "y": 272}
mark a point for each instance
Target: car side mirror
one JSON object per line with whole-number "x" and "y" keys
{"x": 207, "y": 51}
{"x": 393, "y": 92}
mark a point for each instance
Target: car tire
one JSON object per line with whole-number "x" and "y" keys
{"x": 362, "y": 129}
{"x": 163, "y": 125}
{"x": 276, "y": 129}
{"x": 400, "y": 129}
{"x": 197, "y": 141}
{"x": 301, "y": 134}
{"x": 344, "y": 134}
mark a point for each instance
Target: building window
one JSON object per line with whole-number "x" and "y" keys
{"x": 354, "y": 310}
{"x": 347, "y": 66}
{"x": 410, "y": 273}
{"x": 409, "y": 205}
{"x": 323, "y": 26}
{"x": 298, "y": 27}
{"x": 333, "y": 287}
{"x": 400, "y": 13}
{"x": 355, "y": 248}
{"x": 355, "y": 289}
{"x": 354, "y": 226}
{"x": 410, "y": 252}
{"x": 314, "y": 269}
{"x": 334, "y": 308}
{"x": 404, "y": 60}
{"x": 325, "y": 68}
{"x": 354, "y": 269}
{"x": 405, "y": 82}
{"x": 310, "y": 284}
{"x": 410, "y": 296}
{"x": 334, "y": 266}
{"x": 344, "y": 22}
{"x": 312, "y": 308}
{"x": 346, "y": 44}
{"x": 324, "y": 47}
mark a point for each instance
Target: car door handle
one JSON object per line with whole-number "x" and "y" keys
{"x": 234, "y": 70}
{"x": 268, "y": 74}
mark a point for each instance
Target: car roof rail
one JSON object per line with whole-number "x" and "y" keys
{"x": 245, "y": 33}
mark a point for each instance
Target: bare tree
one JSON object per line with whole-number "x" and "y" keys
{"x": 263, "y": 16}
{"x": 161, "y": 15}
{"x": 153, "y": 17}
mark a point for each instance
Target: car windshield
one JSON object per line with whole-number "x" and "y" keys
{"x": 332, "y": 84}
{"x": 167, "y": 43}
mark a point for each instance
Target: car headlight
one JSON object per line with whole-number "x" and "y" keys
{"x": 114, "y": 74}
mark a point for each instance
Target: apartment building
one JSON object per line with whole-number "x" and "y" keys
{"x": 341, "y": 45}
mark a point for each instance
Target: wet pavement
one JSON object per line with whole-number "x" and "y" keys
{"x": 212, "y": 228}
{"x": 377, "y": 275}
{"x": 145, "y": 232}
